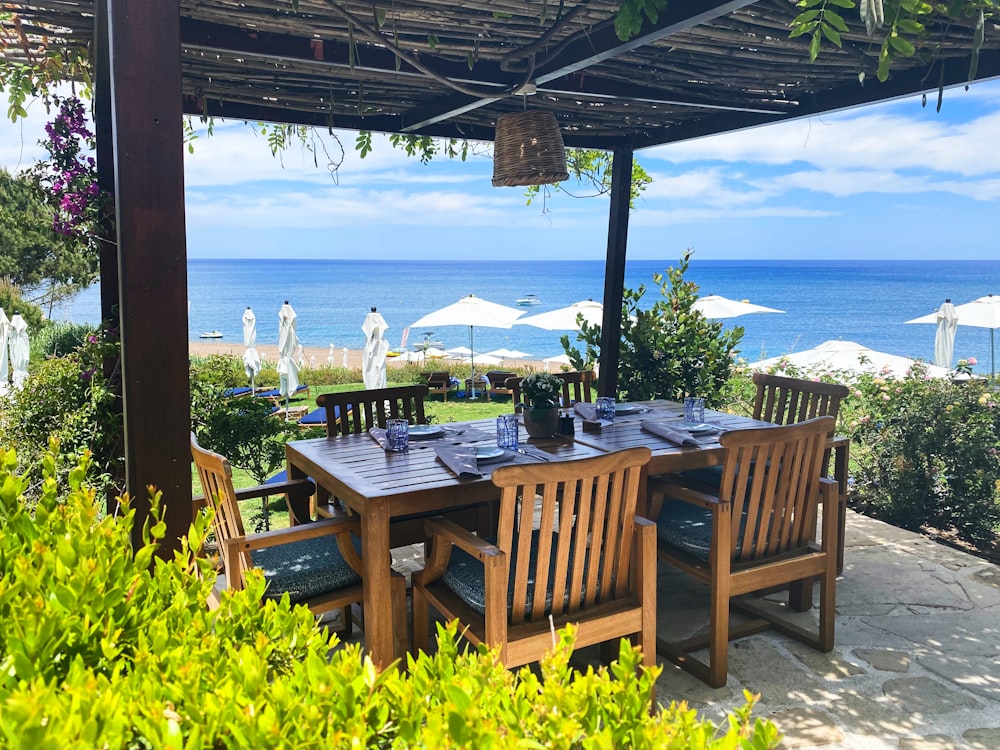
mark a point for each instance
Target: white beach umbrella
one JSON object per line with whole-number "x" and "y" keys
{"x": 485, "y": 359}
{"x": 980, "y": 313}
{"x": 946, "y": 320}
{"x": 460, "y": 351}
{"x": 19, "y": 351}
{"x": 4, "y": 368}
{"x": 376, "y": 347}
{"x": 508, "y": 354}
{"x": 565, "y": 318}
{"x": 288, "y": 342}
{"x": 850, "y": 357}
{"x": 559, "y": 360}
{"x": 251, "y": 359}
{"x": 471, "y": 311}
{"x": 717, "y": 307}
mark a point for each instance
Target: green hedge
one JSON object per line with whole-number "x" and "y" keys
{"x": 100, "y": 647}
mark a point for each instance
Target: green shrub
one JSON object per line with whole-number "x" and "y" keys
{"x": 59, "y": 338}
{"x": 668, "y": 351}
{"x": 926, "y": 454}
{"x": 69, "y": 399}
{"x": 103, "y": 647}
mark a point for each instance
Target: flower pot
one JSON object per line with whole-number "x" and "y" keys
{"x": 541, "y": 422}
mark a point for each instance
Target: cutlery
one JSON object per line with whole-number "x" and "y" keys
{"x": 523, "y": 452}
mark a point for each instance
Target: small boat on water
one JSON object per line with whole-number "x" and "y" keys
{"x": 528, "y": 299}
{"x": 211, "y": 335}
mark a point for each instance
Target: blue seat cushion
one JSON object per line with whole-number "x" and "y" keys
{"x": 318, "y": 416}
{"x": 710, "y": 476}
{"x": 233, "y": 392}
{"x": 276, "y": 393}
{"x": 685, "y": 526}
{"x": 465, "y": 576}
{"x": 306, "y": 568}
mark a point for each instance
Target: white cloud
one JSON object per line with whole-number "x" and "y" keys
{"x": 884, "y": 140}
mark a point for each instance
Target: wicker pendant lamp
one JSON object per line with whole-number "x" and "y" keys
{"x": 528, "y": 150}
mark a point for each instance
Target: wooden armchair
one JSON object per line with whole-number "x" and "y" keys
{"x": 438, "y": 383}
{"x": 785, "y": 400}
{"x": 498, "y": 382}
{"x": 577, "y": 387}
{"x": 316, "y": 564}
{"x": 757, "y": 533}
{"x": 590, "y": 560}
{"x": 354, "y": 412}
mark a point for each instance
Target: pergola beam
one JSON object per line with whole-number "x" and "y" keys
{"x": 144, "y": 43}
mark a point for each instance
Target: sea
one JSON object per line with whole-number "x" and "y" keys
{"x": 862, "y": 301}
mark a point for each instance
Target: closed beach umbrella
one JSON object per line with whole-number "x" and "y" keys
{"x": 944, "y": 339}
{"x": 850, "y": 357}
{"x": 251, "y": 359}
{"x": 717, "y": 307}
{"x": 330, "y": 357}
{"x": 471, "y": 311}
{"x": 982, "y": 313}
{"x": 288, "y": 342}
{"x": 565, "y": 318}
{"x": 4, "y": 335}
{"x": 19, "y": 351}
{"x": 376, "y": 347}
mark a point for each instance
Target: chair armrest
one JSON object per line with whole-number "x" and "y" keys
{"x": 676, "y": 488}
{"x": 829, "y": 492}
{"x": 444, "y": 535}
{"x": 452, "y": 533}
{"x": 278, "y": 488}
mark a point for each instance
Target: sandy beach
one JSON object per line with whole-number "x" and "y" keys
{"x": 318, "y": 356}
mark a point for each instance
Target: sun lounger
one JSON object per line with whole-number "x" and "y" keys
{"x": 440, "y": 383}
{"x": 274, "y": 393}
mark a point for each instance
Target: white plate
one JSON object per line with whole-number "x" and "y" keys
{"x": 626, "y": 408}
{"x": 489, "y": 453}
{"x": 425, "y": 430}
{"x": 697, "y": 428}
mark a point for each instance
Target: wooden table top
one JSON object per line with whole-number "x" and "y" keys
{"x": 627, "y": 432}
{"x": 359, "y": 471}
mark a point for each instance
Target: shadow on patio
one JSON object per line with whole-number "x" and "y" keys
{"x": 916, "y": 664}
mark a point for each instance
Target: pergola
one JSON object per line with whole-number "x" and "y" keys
{"x": 445, "y": 68}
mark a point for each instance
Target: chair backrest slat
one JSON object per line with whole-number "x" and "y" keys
{"x": 579, "y": 516}
{"x": 360, "y": 410}
{"x": 783, "y": 400}
{"x": 577, "y": 387}
{"x": 216, "y": 477}
{"x": 771, "y": 478}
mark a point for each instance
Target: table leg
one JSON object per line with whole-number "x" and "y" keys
{"x": 376, "y": 568}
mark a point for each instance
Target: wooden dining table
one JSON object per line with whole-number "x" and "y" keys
{"x": 379, "y": 485}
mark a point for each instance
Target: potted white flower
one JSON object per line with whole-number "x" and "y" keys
{"x": 540, "y": 392}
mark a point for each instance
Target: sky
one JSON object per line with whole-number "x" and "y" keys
{"x": 889, "y": 181}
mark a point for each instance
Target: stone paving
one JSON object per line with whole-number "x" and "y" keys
{"x": 916, "y": 664}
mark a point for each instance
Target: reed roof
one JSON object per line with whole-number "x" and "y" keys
{"x": 448, "y": 67}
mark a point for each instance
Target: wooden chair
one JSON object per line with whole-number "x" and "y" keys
{"x": 316, "y": 564}
{"x": 438, "y": 383}
{"x": 784, "y": 400}
{"x": 589, "y": 560}
{"x": 757, "y": 533}
{"x": 577, "y": 387}
{"x": 498, "y": 382}
{"x": 354, "y": 412}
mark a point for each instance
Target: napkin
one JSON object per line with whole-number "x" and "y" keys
{"x": 378, "y": 435}
{"x": 461, "y": 460}
{"x": 588, "y": 412}
{"x": 677, "y": 437}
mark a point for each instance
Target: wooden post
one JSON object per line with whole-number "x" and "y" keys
{"x": 614, "y": 269}
{"x": 145, "y": 46}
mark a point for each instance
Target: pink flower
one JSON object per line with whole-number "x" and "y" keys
{"x": 972, "y": 361}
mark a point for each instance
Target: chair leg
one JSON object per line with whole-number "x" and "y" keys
{"x": 397, "y": 586}
{"x": 718, "y": 647}
{"x": 421, "y": 615}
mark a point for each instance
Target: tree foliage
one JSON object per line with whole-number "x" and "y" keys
{"x": 669, "y": 350}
